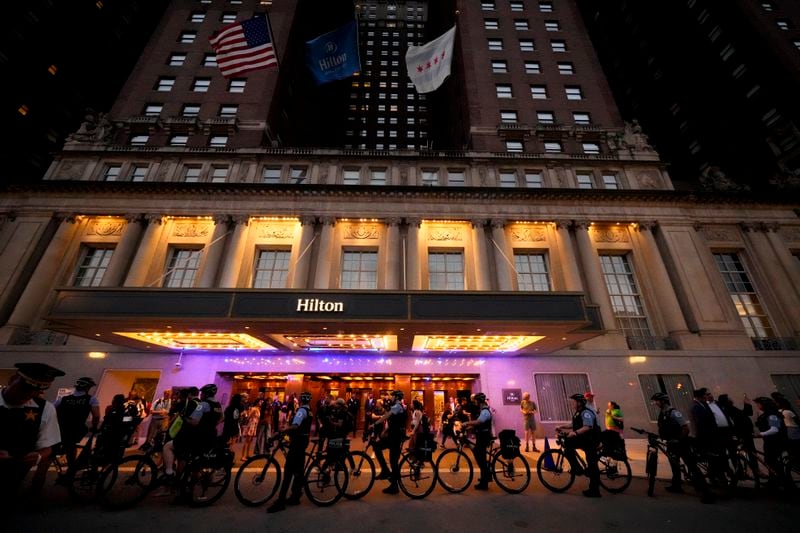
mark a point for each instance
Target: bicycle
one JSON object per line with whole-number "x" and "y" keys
{"x": 557, "y": 473}
{"x": 417, "y": 470}
{"x": 511, "y": 472}
{"x": 326, "y": 477}
{"x": 789, "y": 468}
{"x": 94, "y": 458}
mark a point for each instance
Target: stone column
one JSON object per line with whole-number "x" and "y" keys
{"x": 300, "y": 276}
{"x": 756, "y": 234}
{"x": 664, "y": 292}
{"x": 393, "y": 259}
{"x": 413, "y": 282}
{"x": 214, "y": 251}
{"x": 502, "y": 256}
{"x": 785, "y": 257}
{"x": 567, "y": 258}
{"x": 234, "y": 252}
{"x": 322, "y": 275}
{"x": 123, "y": 253}
{"x": 483, "y": 278}
{"x": 596, "y": 285}
{"x": 144, "y": 254}
{"x": 45, "y": 277}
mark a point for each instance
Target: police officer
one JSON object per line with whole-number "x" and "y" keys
{"x": 584, "y": 434}
{"x": 483, "y": 439}
{"x": 205, "y": 419}
{"x": 396, "y": 417}
{"x": 674, "y": 429}
{"x": 28, "y": 425}
{"x": 299, "y": 432}
{"x": 73, "y": 410}
{"x": 772, "y": 430}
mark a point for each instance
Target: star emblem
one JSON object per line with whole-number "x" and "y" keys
{"x": 419, "y": 68}
{"x": 31, "y": 415}
{"x": 435, "y": 60}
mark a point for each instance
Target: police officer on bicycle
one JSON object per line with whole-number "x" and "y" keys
{"x": 584, "y": 434}
{"x": 396, "y": 415}
{"x": 299, "y": 432}
{"x": 73, "y": 410}
{"x": 483, "y": 439}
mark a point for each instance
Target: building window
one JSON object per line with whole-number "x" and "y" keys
{"x": 566, "y": 69}
{"x": 796, "y": 44}
{"x": 584, "y": 180}
{"x": 201, "y": 85}
{"x": 165, "y": 85}
{"x": 139, "y": 140}
{"x": 610, "y": 181}
{"x": 182, "y": 265}
{"x": 591, "y": 148}
{"x": 456, "y": 178}
{"x": 517, "y": 6}
{"x": 377, "y": 176}
{"x": 112, "y": 172}
{"x": 581, "y": 118}
{"x": 491, "y": 24}
{"x": 788, "y": 385}
{"x": 351, "y": 177}
{"x": 219, "y": 175}
{"x": 508, "y": 117}
{"x": 446, "y": 271}
{"x": 487, "y": 6}
{"x": 92, "y": 266}
{"x": 271, "y": 269}
{"x": 545, "y": 117}
{"x": 554, "y": 391}
{"x": 430, "y": 177}
{"x": 503, "y": 91}
{"x": 495, "y": 44}
{"x": 176, "y": 60}
{"x": 768, "y": 6}
{"x": 744, "y": 296}
{"x": 521, "y": 24}
{"x": 532, "y": 271}
{"x": 228, "y": 111}
{"x": 138, "y": 172}
{"x": 218, "y": 141}
{"x": 626, "y": 302}
{"x": 539, "y": 92}
{"x": 499, "y": 66}
{"x": 153, "y": 110}
{"x": 508, "y": 178}
{"x": 179, "y": 140}
{"x": 190, "y": 110}
{"x": 515, "y": 147}
{"x": 359, "y": 269}
{"x": 197, "y": 16}
{"x": 298, "y": 174}
{"x": 187, "y": 37}
{"x": 552, "y": 25}
{"x": 228, "y": 18}
{"x": 784, "y": 25}
{"x": 210, "y": 60}
{"x": 553, "y": 147}
{"x": 678, "y": 387}
{"x": 573, "y": 93}
{"x": 271, "y": 175}
{"x": 533, "y": 180}
{"x": 526, "y": 45}
{"x": 237, "y": 85}
{"x": 191, "y": 174}
{"x": 533, "y": 67}
{"x": 558, "y": 46}
{"x": 546, "y": 7}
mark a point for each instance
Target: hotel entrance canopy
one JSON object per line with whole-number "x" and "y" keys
{"x": 291, "y": 321}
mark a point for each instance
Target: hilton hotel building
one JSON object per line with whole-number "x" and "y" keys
{"x": 508, "y": 233}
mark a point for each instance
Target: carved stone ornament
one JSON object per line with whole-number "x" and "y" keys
{"x": 648, "y": 179}
{"x": 609, "y": 235}
{"x": 720, "y": 234}
{"x": 71, "y": 170}
{"x": 105, "y": 227}
{"x": 191, "y": 229}
{"x": 443, "y": 233}
{"x": 275, "y": 231}
{"x": 362, "y": 231}
{"x": 528, "y": 234}
{"x": 95, "y": 128}
{"x": 790, "y": 234}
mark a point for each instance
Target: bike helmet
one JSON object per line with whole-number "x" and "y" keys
{"x": 480, "y": 397}
{"x": 305, "y": 397}
{"x": 578, "y": 398}
{"x": 84, "y": 383}
{"x": 660, "y": 397}
{"x": 398, "y": 395}
{"x": 209, "y": 389}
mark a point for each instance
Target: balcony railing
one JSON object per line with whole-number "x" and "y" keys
{"x": 776, "y": 343}
{"x": 651, "y": 343}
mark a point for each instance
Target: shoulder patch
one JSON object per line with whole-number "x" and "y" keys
{"x": 587, "y": 415}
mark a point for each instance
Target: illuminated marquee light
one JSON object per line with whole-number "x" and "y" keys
{"x": 198, "y": 340}
{"x": 473, "y": 343}
{"x": 345, "y": 342}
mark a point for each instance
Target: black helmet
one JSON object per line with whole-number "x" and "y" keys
{"x": 660, "y": 397}
{"x": 305, "y": 397}
{"x": 84, "y": 383}
{"x": 480, "y": 397}
{"x": 580, "y": 398}
{"x": 398, "y": 395}
{"x": 209, "y": 389}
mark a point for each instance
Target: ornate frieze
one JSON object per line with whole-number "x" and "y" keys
{"x": 790, "y": 233}
{"x": 719, "y": 233}
{"x": 528, "y": 234}
{"x": 275, "y": 231}
{"x": 445, "y": 233}
{"x": 362, "y": 231}
{"x": 191, "y": 229}
{"x": 105, "y": 227}
{"x": 600, "y": 234}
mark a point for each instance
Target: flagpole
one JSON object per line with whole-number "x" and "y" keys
{"x": 272, "y": 35}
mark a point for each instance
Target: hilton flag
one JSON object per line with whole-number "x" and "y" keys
{"x": 429, "y": 65}
{"x": 334, "y": 55}
{"x": 244, "y": 46}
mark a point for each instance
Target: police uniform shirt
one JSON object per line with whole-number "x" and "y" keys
{"x": 485, "y": 416}
{"x": 396, "y": 409}
{"x": 774, "y": 426}
{"x": 299, "y": 416}
{"x": 589, "y": 418}
{"x": 94, "y": 402}
{"x": 202, "y": 408}
{"x": 678, "y": 418}
{"x": 49, "y": 432}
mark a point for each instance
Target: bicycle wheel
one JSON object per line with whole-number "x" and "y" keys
{"x": 83, "y": 485}
{"x": 793, "y": 471}
{"x": 615, "y": 475}
{"x": 512, "y": 475}
{"x": 554, "y": 471}
{"x": 651, "y": 468}
{"x": 360, "y": 475}
{"x": 417, "y": 478}
{"x": 455, "y": 471}
{"x": 125, "y": 484}
{"x": 257, "y": 480}
{"x": 205, "y": 483}
{"x": 326, "y": 481}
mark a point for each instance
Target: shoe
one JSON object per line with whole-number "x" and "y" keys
{"x": 589, "y": 493}
{"x": 293, "y": 500}
{"x": 536, "y": 450}
{"x": 391, "y": 489}
{"x": 276, "y": 507}
{"x": 383, "y": 475}
{"x": 673, "y": 489}
{"x": 481, "y": 486}
{"x": 527, "y": 449}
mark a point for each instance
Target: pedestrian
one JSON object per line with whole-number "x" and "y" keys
{"x": 230, "y": 424}
{"x": 528, "y": 409}
{"x": 614, "y": 418}
{"x": 773, "y": 432}
{"x": 250, "y": 429}
{"x": 158, "y": 420}
{"x": 483, "y": 439}
{"x": 391, "y": 439}
{"x": 447, "y": 425}
{"x": 589, "y": 396}
{"x": 791, "y": 421}
{"x": 299, "y": 432}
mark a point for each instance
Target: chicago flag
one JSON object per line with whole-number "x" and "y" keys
{"x": 429, "y": 65}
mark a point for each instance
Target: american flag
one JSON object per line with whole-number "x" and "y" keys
{"x": 244, "y": 46}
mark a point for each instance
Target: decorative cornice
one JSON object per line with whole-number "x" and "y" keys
{"x": 240, "y": 220}
{"x": 413, "y": 221}
{"x": 478, "y": 222}
{"x": 221, "y": 219}
{"x": 646, "y": 225}
{"x": 581, "y": 224}
{"x": 393, "y": 221}
{"x": 70, "y": 218}
{"x": 498, "y": 223}
{"x": 327, "y": 221}
{"x": 308, "y": 220}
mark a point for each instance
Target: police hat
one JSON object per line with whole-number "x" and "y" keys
{"x": 38, "y": 375}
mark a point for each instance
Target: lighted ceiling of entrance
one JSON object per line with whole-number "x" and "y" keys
{"x": 199, "y": 341}
{"x": 341, "y": 342}
{"x": 473, "y": 343}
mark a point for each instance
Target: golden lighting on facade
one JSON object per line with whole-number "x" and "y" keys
{"x": 187, "y": 218}
{"x": 198, "y": 340}
{"x": 276, "y": 219}
{"x": 344, "y": 342}
{"x": 473, "y": 343}
{"x": 97, "y": 355}
{"x": 637, "y": 359}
